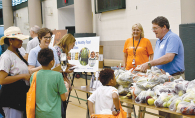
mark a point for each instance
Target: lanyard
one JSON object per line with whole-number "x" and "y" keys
{"x": 134, "y": 49}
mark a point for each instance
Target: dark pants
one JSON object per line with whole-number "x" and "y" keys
{"x": 64, "y": 109}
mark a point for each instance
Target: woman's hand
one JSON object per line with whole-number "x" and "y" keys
{"x": 68, "y": 70}
{"x": 30, "y": 71}
{"x": 68, "y": 81}
{"x": 66, "y": 84}
{"x": 26, "y": 76}
{"x": 70, "y": 65}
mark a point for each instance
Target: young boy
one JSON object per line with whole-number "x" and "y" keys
{"x": 105, "y": 97}
{"x": 50, "y": 87}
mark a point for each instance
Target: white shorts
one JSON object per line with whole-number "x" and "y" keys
{"x": 12, "y": 113}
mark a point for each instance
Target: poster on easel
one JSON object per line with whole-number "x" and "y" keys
{"x": 85, "y": 54}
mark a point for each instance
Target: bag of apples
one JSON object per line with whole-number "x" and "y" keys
{"x": 144, "y": 96}
{"x": 187, "y": 108}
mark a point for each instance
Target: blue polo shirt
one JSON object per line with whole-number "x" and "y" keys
{"x": 33, "y": 55}
{"x": 170, "y": 43}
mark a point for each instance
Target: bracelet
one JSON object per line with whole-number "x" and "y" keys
{"x": 117, "y": 110}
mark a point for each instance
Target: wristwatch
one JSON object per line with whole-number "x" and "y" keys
{"x": 149, "y": 65}
{"x": 117, "y": 110}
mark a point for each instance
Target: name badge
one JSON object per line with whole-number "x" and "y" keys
{"x": 133, "y": 62}
{"x": 162, "y": 46}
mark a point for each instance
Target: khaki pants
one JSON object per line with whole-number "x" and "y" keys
{"x": 178, "y": 76}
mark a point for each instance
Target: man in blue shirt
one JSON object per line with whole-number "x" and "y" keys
{"x": 168, "y": 54}
{"x": 0, "y": 50}
{"x": 169, "y": 50}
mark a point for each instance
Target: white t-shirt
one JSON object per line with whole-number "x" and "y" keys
{"x": 12, "y": 64}
{"x": 32, "y": 44}
{"x": 102, "y": 97}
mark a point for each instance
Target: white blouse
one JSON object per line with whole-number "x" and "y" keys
{"x": 12, "y": 64}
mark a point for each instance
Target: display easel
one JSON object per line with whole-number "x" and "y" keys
{"x": 87, "y": 94}
{"x": 74, "y": 73}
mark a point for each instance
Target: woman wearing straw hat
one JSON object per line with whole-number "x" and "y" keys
{"x": 14, "y": 74}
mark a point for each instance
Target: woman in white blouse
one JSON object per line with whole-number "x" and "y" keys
{"x": 14, "y": 75}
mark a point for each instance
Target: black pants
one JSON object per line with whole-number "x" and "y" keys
{"x": 64, "y": 105}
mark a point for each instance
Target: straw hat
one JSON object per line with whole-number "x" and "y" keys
{"x": 13, "y": 32}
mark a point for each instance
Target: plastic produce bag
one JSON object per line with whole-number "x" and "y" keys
{"x": 123, "y": 91}
{"x": 174, "y": 103}
{"x": 191, "y": 86}
{"x": 166, "y": 78}
{"x": 186, "y": 108}
{"x": 180, "y": 87}
{"x": 189, "y": 97}
{"x": 156, "y": 71}
{"x": 162, "y": 100}
{"x": 118, "y": 72}
{"x": 135, "y": 90}
{"x": 160, "y": 89}
{"x": 170, "y": 85}
{"x": 171, "y": 100}
{"x": 125, "y": 79}
{"x": 143, "y": 96}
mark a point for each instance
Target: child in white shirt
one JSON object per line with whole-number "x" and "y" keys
{"x": 106, "y": 97}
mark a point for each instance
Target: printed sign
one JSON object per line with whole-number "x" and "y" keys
{"x": 85, "y": 54}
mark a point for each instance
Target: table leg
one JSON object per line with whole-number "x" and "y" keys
{"x": 134, "y": 111}
{"x": 87, "y": 115}
{"x": 144, "y": 112}
{"x": 141, "y": 113}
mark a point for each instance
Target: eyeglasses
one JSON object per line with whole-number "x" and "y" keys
{"x": 47, "y": 38}
{"x": 154, "y": 29}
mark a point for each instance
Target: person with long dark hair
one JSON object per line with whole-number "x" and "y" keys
{"x": 14, "y": 74}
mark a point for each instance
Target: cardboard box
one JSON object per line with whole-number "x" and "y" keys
{"x": 101, "y": 55}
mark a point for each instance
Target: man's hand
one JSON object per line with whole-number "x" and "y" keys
{"x": 144, "y": 67}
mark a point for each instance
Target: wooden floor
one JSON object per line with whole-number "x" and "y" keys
{"x": 76, "y": 110}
